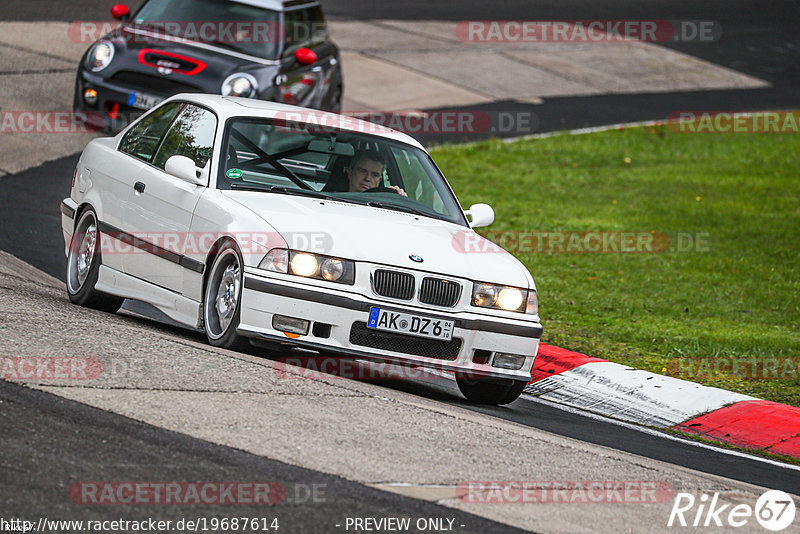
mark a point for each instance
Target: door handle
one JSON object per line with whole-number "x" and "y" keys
{"x": 139, "y": 186}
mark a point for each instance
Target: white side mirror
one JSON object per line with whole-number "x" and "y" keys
{"x": 480, "y": 215}
{"x": 184, "y": 169}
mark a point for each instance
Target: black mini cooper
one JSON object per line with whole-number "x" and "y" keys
{"x": 277, "y": 50}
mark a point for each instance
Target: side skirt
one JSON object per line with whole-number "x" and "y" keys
{"x": 179, "y": 308}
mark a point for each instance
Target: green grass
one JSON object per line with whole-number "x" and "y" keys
{"x": 739, "y": 298}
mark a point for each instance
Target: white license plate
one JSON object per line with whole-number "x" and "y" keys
{"x": 143, "y": 101}
{"x": 406, "y": 323}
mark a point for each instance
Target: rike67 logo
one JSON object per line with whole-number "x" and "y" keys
{"x": 774, "y": 510}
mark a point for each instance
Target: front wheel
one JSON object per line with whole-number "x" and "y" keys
{"x": 490, "y": 391}
{"x": 83, "y": 266}
{"x": 223, "y": 298}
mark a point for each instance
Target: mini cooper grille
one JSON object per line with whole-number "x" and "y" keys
{"x": 439, "y": 292}
{"x": 154, "y": 84}
{"x": 393, "y": 284}
{"x": 418, "y": 346}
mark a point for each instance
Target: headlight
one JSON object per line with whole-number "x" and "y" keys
{"x": 504, "y": 298}
{"x": 276, "y": 260}
{"x": 305, "y": 264}
{"x": 100, "y": 56}
{"x": 240, "y": 84}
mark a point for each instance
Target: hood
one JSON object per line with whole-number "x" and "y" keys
{"x": 377, "y": 235}
{"x": 200, "y": 68}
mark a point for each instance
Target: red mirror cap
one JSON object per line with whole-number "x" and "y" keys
{"x": 306, "y": 56}
{"x": 120, "y": 11}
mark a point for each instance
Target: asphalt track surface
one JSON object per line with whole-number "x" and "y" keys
{"x": 34, "y": 235}
{"x": 51, "y": 444}
{"x": 761, "y": 39}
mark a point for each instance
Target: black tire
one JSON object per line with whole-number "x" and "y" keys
{"x": 83, "y": 265}
{"x": 490, "y": 391}
{"x": 222, "y": 299}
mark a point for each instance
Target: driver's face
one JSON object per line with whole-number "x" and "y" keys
{"x": 364, "y": 174}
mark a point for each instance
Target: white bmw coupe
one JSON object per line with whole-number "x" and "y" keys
{"x": 260, "y": 221}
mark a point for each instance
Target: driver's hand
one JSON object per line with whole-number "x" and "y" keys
{"x": 398, "y": 189}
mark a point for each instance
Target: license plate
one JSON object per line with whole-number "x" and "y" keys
{"x": 406, "y": 323}
{"x": 143, "y": 101}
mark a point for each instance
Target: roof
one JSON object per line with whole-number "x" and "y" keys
{"x": 278, "y": 5}
{"x": 229, "y": 106}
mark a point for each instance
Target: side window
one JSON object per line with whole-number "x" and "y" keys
{"x": 142, "y": 140}
{"x": 318, "y": 30}
{"x": 192, "y": 135}
{"x": 294, "y": 31}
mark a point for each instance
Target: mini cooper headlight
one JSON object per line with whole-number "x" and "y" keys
{"x": 305, "y": 264}
{"x": 503, "y": 298}
{"x": 100, "y": 56}
{"x": 240, "y": 84}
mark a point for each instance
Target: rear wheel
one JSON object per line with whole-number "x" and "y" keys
{"x": 490, "y": 391}
{"x": 223, "y": 298}
{"x": 83, "y": 266}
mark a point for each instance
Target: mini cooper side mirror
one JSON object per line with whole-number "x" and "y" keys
{"x": 120, "y": 12}
{"x": 184, "y": 169}
{"x": 305, "y": 56}
{"x": 480, "y": 215}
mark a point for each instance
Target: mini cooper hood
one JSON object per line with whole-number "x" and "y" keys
{"x": 137, "y": 48}
{"x": 383, "y": 236}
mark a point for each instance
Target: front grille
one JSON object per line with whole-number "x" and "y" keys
{"x": 393, "y": 284}
{"x": 153, "y": 84}
{"x": 418, "y": 346}
{"x": 439, "y": 292}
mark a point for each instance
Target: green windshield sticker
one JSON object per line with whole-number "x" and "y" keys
{"x": 234, "y": 173}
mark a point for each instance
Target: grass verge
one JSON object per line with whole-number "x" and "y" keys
{"x": 714, "y": 301}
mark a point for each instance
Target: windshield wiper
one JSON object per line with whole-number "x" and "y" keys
{"x": 404, "y": 208}
{"x": 279, "y": 189}
{"x": 227, "y": 45}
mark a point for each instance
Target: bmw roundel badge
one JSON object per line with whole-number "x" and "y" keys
{"x": 416, "y": 258}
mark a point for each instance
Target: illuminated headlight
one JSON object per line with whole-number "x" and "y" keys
{"x": 502, "y": 298}
{"x": 240, "y": 84}
{"x": 100, "y": 56}
{"x": 309, "y": 265}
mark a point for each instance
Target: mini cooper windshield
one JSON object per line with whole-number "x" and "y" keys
{"x": 275, "y": 156}
{"x": 228, "y": 24}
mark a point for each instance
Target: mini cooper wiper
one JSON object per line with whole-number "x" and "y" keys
{"x": 227, "y": 45}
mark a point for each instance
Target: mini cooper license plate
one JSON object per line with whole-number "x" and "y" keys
{"x": 143, "y": 101}
{"x": 406, "y": 323}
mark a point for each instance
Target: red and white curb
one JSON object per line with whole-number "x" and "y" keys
{"x": 632, "y": 395}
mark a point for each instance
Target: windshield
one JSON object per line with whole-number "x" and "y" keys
{"x": 232, "y": 25}
{"x": 277, "y": 158}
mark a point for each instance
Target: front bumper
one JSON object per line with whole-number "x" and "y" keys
{"x": 342, "y": 316}
{"x": 112, "y": 111}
